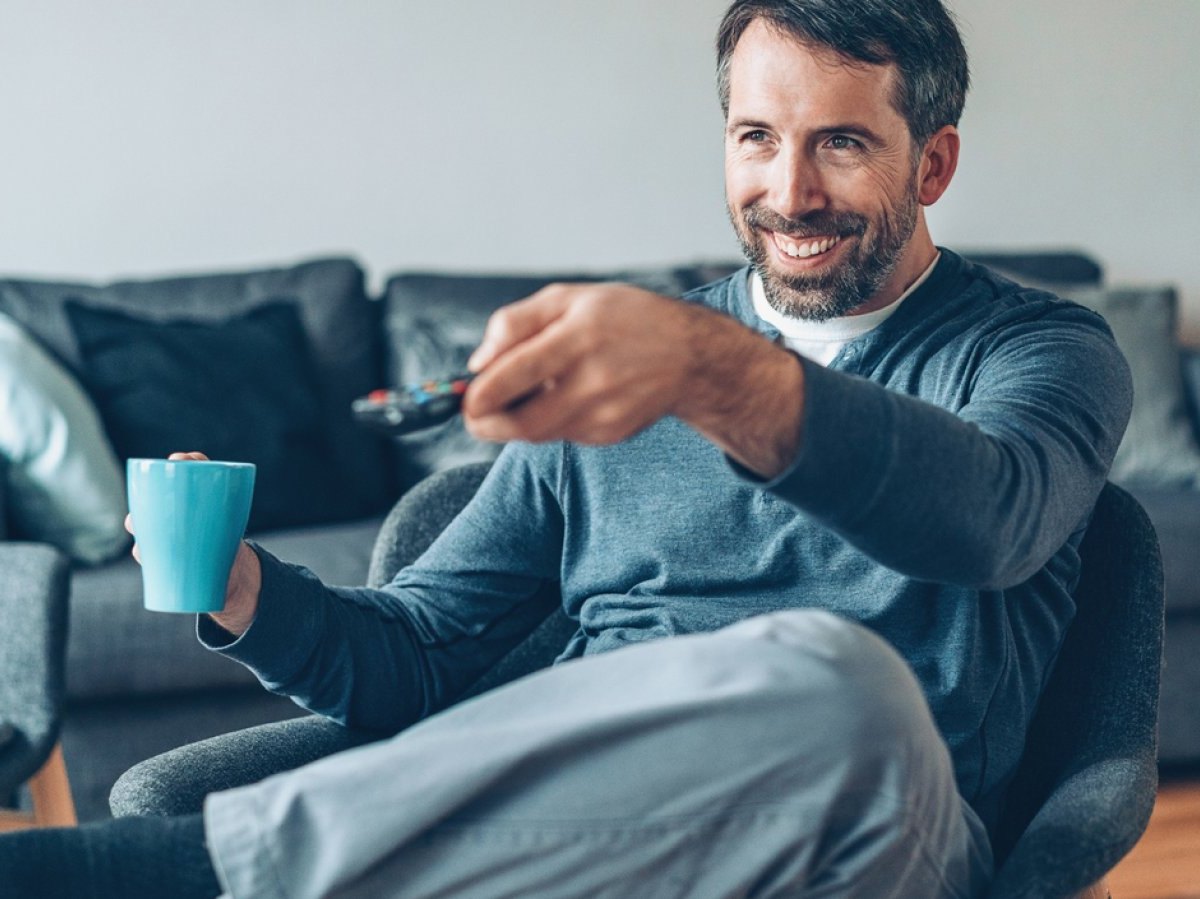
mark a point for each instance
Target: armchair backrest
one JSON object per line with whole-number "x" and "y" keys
{"x": 1089, "y": 767}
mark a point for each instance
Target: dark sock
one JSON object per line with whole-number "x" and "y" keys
{"x": 126, "y": 858}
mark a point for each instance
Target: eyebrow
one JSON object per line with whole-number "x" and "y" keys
{"x": 858, "y": 130}
{"x": 735, "y": 124}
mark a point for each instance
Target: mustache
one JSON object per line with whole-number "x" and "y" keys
{"x": 815, "y": 224}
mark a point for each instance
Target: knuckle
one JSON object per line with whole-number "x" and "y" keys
{"x": 609, "y": 419}
{"x": 605, "y": 382}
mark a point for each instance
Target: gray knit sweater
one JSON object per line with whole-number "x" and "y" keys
{"x": 951, "y": 458}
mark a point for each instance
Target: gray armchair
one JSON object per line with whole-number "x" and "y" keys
{"x": 33, "y": 608}
{"x": 1080, "y": 800}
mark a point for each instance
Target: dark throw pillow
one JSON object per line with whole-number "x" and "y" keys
{"x": 242, "y": 389}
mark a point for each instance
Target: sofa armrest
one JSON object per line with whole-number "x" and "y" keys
{"x": 1189, "y": 363}
{"x": 33, "y": 607}
{"x": 3, "y": 498}
{"x": 176, "y": 782}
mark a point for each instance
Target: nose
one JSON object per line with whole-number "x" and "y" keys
{"x": 796, "y": 186}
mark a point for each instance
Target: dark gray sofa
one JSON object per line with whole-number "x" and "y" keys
{"x": 138, "y": 684}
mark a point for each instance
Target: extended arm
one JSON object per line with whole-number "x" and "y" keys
{"x": 978, "y": 492}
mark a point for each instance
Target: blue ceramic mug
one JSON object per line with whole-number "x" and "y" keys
{"x": 188, "y": 519}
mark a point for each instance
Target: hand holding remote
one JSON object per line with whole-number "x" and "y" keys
{"x": 597, "y": 363}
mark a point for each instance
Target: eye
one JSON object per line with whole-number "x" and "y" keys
{"x": 757, "y": 136}
{"x": 842, "y": 142}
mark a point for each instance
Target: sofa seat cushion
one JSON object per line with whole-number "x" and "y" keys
{"x": 117, "y": 648}
{"x": 1176, "y": 517}
{"x": 340, "y": 325}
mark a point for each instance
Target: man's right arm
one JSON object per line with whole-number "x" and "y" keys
{"x": 384, "y": 658}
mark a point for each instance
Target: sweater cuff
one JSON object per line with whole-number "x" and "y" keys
{"x": 286, "y": 624}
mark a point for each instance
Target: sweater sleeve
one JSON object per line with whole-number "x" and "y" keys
{"x": 382, "y": 659}
{"x": 984, "y": 494}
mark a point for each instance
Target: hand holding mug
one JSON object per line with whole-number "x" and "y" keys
{"x": 188, "y": 514}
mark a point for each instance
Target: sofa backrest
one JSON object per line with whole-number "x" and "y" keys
{"x": 432, "y": 321}
{"x": 308, "y": 339}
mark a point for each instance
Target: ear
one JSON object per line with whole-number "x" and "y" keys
{"x": 939, "y": 160}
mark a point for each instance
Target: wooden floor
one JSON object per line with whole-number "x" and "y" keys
{"x": 1166, "y": 863}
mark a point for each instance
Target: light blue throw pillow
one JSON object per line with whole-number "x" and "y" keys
{"x": 63, "y": 485}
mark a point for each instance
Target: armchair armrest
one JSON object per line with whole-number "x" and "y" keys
{"x": 176, "y": 782}
{"x": 1090, "y": 821}
{"x": 33, "y": 607}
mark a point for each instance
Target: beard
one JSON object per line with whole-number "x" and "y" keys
{"x": 839, "y": 289}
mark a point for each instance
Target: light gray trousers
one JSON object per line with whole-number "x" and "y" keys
{"x": 791, "y": 754}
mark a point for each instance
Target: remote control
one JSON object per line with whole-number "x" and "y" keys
{"x": 414, "y": 407}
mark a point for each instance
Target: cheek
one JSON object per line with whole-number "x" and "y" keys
{"x": 734, "y": 188}
{"x": 871, "y": 190}
{"x": 743, "y": 180}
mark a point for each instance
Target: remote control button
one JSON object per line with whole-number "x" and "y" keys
{"x": 442, "y": 405}
{"x": 379, "y": 396}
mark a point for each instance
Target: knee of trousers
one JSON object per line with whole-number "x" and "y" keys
{"x": 827, "y": 682}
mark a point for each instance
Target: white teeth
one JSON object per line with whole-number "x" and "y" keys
{"x": 805, "y": 250}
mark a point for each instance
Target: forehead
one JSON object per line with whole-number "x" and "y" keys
{"x": 771, "y": 74}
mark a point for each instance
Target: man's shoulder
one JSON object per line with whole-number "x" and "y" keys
{"x": 997, "y": 298}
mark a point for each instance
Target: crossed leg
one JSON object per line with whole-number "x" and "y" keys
{"x": 791, "y": 754}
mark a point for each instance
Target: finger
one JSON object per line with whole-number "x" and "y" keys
{"x": 187, "y": 457}
{"x": 137, "y": 554}
{"x": 518, "y": 321}
{"x": 533, "y": 418}
{"x": 535, "y": 365}
{"x": 530, "y": 421}
{"x": 129, "y": 523}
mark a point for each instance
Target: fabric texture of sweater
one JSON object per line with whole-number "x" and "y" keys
{"x": 950, "y": 462}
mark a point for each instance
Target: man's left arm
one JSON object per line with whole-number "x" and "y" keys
{"x": 980, "y": 497}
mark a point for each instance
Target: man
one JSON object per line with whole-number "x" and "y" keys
{"x": 818, "y": 526}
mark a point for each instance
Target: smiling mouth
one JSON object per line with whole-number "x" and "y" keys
{"x": 805, "y": 248}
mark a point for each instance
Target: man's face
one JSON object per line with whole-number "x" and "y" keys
{"x": 820, "y": 176}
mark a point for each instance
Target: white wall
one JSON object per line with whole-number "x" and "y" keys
{"x": 1083, "y": 129}
{"x": 139, "y": 137}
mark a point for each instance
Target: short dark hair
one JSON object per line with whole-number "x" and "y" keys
{"x": 919, "y": 36}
